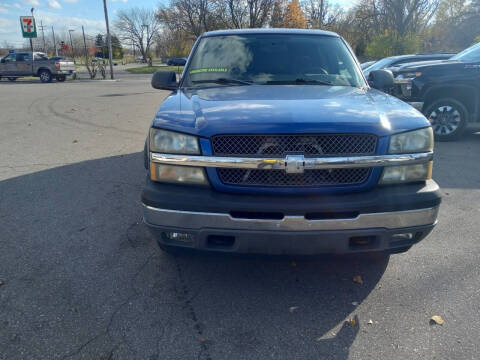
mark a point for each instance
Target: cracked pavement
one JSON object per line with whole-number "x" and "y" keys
{"x": 83, "y": 279}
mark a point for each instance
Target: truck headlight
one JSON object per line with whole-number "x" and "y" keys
{"x": 408, "y": 76}
{"x": 178, "y": 174}
{"x": 409, "y": 142}
{"x": 170, "y": 142}
{"x": 412, "y": 142}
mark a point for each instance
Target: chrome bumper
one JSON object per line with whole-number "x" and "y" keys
{"x": 203, "y": 220}
{"x": 285, "y": 164}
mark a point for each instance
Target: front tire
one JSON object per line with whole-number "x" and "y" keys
{"x": 12, "y": 79}
{"x": 61, "y": 78}
{"x": 448, "y": 118}
{"x": 45, "y": 76}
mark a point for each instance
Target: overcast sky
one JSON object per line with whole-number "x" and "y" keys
{"x": 68, "y": 14}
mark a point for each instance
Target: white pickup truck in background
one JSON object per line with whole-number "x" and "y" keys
{"x": 19, "y": 64}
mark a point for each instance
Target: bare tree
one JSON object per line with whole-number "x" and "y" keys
{"x": 321, "y": 14}
{"x": 139, "y": 27}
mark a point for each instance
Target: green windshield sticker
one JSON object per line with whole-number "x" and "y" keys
{"x": 209, "y": 70}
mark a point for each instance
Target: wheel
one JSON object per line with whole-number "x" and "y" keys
{"x": 61, "y": 78}
{"x": 45, "y": 76}
{"x": 74, "y": 76}
{"x": 448, "y": 118}
{"x": 12, "y": 79}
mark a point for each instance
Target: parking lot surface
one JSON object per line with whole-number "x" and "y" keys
{"x": 81, "y": 278}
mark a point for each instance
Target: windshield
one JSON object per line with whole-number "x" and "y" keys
{"x": 272, "y": 59}
{"x": 470, "y": 54}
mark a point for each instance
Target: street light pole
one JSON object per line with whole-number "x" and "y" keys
{"x": 31, "y": 43}
{"x": 110, "y": 55}
{"x": 71, "y": 44}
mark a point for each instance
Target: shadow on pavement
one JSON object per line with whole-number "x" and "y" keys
{"x": 84, "y": 279}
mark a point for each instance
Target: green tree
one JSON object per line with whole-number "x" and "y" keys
{"x": 389, "y": 45}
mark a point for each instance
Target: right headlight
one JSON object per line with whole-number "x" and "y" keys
{"x": 409, "y": 142}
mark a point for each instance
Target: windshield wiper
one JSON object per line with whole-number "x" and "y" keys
{"x": 299, "y": 81}
{"x": 223, "y": 81}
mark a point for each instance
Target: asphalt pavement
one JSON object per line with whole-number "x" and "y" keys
{"x": 81, "y": 278}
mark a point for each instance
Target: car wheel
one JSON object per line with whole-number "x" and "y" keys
{"x": 61, "y": 78}
{"x": 45, "y": 76}
{"x": 12, "y": 79}
{"x": 448, "y": 118}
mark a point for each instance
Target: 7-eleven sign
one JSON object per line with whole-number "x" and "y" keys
{"x": 29, "y": 30}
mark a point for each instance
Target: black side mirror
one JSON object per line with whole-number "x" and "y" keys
{"x": 164, "y": 80}
{"x": 381, "y": 79}
{"x": 3, "y": 61}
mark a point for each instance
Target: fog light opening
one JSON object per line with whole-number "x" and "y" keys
{"x": 404, "y": 236}
{"x": 363, "y": 242}
{"x": 180, "y": 237}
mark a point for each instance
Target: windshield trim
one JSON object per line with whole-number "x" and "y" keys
{"x": 262, "y": 31}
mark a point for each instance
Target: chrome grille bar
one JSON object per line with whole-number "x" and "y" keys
{"x": 316, "y": 163}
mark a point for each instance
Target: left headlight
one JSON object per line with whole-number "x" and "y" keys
{"x": 170, "y": 142}
{"x": 412, "y": 142}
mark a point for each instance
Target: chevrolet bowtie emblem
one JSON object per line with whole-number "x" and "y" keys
{"x": 294, "y": 164}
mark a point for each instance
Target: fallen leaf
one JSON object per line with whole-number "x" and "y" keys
{"x": 355, "y": 303}
{"x": 2, "y": 282}
{"x": 292, "y": 308}
{"x": 352, "y": 321}
{"x": 294, "y": 264}
{"x": 357, "y": 279}
{"x": 370, "y": 322}
{"x": 202, "y": 340}
{"x": 437, "y": 319}
{"x": 74, "y": 109}
{"x": 75, "y": 141}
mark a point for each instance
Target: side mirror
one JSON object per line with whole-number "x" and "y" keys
{"x": 3, "y": 61}
{"x": 164, "y": 80}
{"x": 381, "y": 79}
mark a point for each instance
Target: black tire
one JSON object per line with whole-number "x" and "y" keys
{"x": 45, "y": 76}
{"x": 61, "y": 78}
{"x": 448, "y": 117}
{"x": 12, "y": 79}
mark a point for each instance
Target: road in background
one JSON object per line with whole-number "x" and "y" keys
{"x": 84, "y": 280}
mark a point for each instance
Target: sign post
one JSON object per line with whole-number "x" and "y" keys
{"x": 29, "y": 30}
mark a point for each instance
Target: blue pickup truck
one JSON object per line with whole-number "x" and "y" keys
{"x": 273, "y": 142}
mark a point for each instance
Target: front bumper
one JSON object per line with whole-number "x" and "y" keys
{"x": 381, "y": 219}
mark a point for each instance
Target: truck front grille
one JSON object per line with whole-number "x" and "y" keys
{"x": 278, "y": 146}
{"x": 310, "y": 178}
{"x": 281, "y": 145}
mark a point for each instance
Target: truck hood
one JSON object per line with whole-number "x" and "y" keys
{"x": 285, "y": 109}
{"x": 429, "y": 65}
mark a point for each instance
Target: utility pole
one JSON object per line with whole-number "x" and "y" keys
{"x": 71, "y": 44}
{"x": 43, "y": 36}
{"x": 110, "y": 55}
{"x": 86, "y": 52}
{"x": 54, "y": 42}
{"x": 147, "y": 50}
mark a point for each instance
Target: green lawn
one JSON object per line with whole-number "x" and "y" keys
{"x": 152, "y": 69}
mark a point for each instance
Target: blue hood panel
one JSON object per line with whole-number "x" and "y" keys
{"x": 277, "y": 109}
